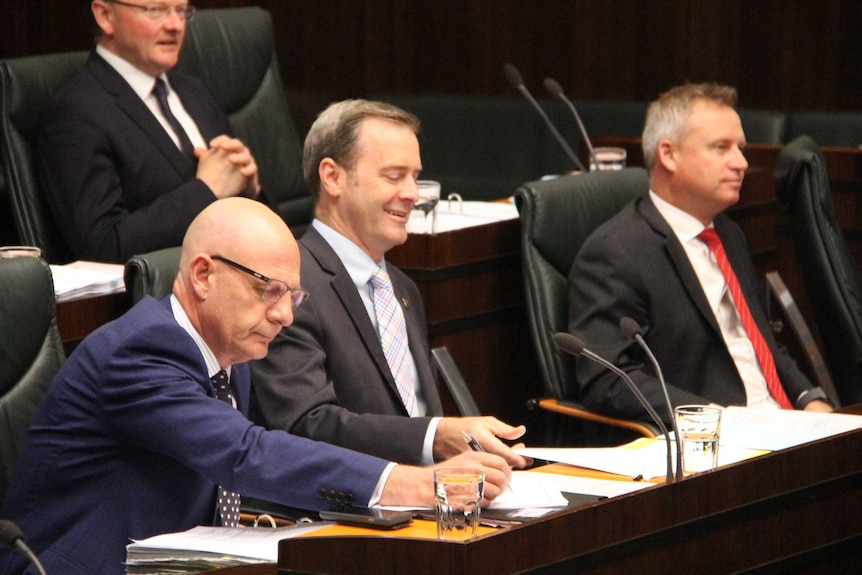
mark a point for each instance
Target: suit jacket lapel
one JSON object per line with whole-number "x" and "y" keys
{"x": 679, "y": 259}
{"x": 345, "y": 289}
{"x": 129, "y": 102}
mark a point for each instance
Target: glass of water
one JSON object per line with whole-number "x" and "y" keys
{"x": 699, "y": 427}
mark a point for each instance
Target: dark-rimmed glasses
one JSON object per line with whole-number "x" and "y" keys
{"x": 275, "y": 289}
{"x": 159, "y": 12}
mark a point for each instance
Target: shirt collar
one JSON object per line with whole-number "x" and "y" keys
{"x": 141, "y": 82}
{"x": 185, "y": 323}
{"x": 359, "y": 264}
{"x": 685, "y": 226}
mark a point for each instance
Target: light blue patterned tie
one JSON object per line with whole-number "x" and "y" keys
{"x": 393, "y": 337}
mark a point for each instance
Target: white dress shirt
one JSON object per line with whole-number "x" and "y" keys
{"x": 686, "y": 228}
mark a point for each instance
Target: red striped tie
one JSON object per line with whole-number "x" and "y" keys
{"x": 710, "y": 237}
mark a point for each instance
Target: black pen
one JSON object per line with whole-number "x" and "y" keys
{"x": 476, "y": 446}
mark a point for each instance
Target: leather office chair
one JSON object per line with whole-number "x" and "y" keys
{"x": 152, "y": 273}
{"x": 556, "y": 217}
{"x": 31, "y": 352}
{"x": 832, "y": 279}
{"x": 232, "y": 51}
{"x": 26, "y": 86}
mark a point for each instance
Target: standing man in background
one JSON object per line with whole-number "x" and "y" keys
{"x": 345, "y": 372}
{"x": 130, "y": 152}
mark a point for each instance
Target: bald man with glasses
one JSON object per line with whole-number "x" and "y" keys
{"x": 130, "y": 151}
{"x": 136, "y": 435}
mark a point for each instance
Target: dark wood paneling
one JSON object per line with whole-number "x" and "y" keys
{"x": 781, "y": 55}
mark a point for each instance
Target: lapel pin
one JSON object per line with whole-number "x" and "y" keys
{"x": 405, "y": 302}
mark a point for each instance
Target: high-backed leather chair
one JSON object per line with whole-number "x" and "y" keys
{"x": 152, "y": 273}
{"x": 826, "y": 128}
{"x": 832, "y": 278}
{"x": 233, "y": 52}
{"x": 31, "y": 351}
{"x": 26, "y": 86}
{"x": 557, "y": 216}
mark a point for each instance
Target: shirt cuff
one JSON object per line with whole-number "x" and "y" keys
{"x": 428, "y": 445}
{"x": 384, "y": 477}
{"x": 810, "y": 395}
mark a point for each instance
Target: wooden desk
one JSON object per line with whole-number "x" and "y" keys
{"x": 77, "y": 318}
{"x": 796, "y": 510}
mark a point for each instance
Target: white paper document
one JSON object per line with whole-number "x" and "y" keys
{"x": 216, "y": 545}
{"x": 644, "y": 458}
{"x": 775, "y": 429}
{"x": 528, "y": 490}
{"x": 84, "y": 279}
{"x": 456, "y": 215}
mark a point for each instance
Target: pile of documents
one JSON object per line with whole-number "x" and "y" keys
{"x": 85, "y": 279}
{"x": 206, "y": 548}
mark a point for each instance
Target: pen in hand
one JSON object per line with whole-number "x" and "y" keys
{"x": 476, "y": 446}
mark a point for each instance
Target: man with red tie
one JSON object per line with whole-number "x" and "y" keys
{"x": 681, "y": 268}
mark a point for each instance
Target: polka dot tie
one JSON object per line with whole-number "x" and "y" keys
{"x": 228, "y": 501}
{"x": 764, "y": 356}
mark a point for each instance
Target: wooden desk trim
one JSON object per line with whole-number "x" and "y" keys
{"x": 754, "y": 513}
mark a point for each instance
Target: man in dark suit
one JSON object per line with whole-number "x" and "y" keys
{"x": 649, "y": 263}
{"x": 133, "y": 438}
{"x": 120, "y": 176}
{"x": 327, "y": 377}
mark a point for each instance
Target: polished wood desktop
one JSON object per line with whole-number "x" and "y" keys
{"x": 792, "y": 511}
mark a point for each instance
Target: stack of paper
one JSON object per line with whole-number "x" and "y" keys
{"x": 207, "y": 548}
{"x": 84, "y": 279}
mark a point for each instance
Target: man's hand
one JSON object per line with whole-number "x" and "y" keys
{"x": 228, "y": 168}
{"x": 414, "y": 486}
{"x": 818, "y": 405}
{"x": 449, "y": 439}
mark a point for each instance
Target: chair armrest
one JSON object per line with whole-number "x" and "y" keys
{"x": 575, "y": 410}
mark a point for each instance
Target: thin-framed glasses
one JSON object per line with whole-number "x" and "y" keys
{"x": 160, "y": 12}
{"x": 275, "y": 289}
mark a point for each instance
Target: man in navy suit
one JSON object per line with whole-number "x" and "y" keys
{"x": 649, "y": 263}
{"x": 110, "y": 162}
{"x": 327, "y": 376}
{"x": 131, "y": 440}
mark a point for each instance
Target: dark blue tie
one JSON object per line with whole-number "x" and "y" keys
{"x": 160, "y": 90}
{"x": 228, "y": 501}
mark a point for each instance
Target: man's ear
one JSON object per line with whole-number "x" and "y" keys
{"x": 333, "y": 177}
{"x": 104, "y": 16}
{"x": 666, "y": 155}
{"x": 200, "y": 275}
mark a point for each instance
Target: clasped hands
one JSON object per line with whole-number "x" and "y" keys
{"x": 228, "y": 168}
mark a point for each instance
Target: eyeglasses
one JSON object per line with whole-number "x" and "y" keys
{"x": 274, "y": 289}
{"x": 160, "y": 12}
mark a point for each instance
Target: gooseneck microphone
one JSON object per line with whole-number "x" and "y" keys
{"x": 554, "y": 88}
{"x": 12, "y": 537}
{"x": 632, "y": 332}
{"x": 574, "y": 346}
{"x": 515, "y": 80}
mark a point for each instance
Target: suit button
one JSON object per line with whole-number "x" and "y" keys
{"x": 321, "y": 493}
{"x": 348, "y": 498}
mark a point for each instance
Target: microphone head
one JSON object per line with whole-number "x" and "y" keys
{"x": 513, "y": 75}
{"x": 9, "y": 533}
{"x": 553, "y": 87}
{"x": 569, "y": 343}
{"x": 630, "y": 328}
